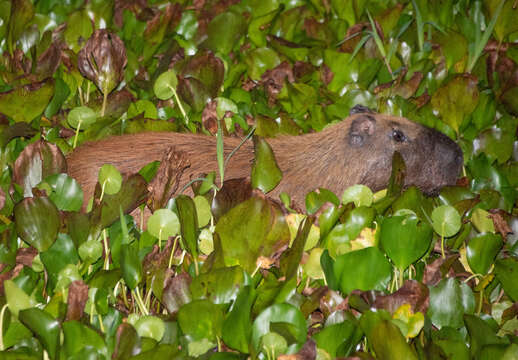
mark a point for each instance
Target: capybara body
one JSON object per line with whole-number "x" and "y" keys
{"x": 358, "y": 150}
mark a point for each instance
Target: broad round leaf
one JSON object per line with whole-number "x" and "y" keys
{"x": 37, "y": 222}
{"x": 361, "y": 195}
{"x": 273, "y": 344}
{"x": 81, "y": 117}
{"x": 151, "y": 327}
{"x": 165, "y": 85}
{"x": 446, "y": 220}
{"x": 163, "y": 224}
{"x": 405, "y": 239}
{"x": 110, "y": 179}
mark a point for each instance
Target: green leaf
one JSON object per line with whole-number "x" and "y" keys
{"x": 66, "y": 193}
{"x": 361, "y": 195}
{"x": 165, "y": 85}
{"x": 22, "y": 12}
{"x": 16, "y": 298}
{"x": 259, "y": 60}
{"x": 163, "y": 224}
{"x": 446, "y": 220}
{"x": 266, "y": 174}
{"x": 446, "y": 307}
{"x": 81, "y": 117}
{"x": 372, "y": 270}
{"x": 90, "y": 251}
{"x": 405, "y": 239}
{"x": 188, "y": 223}
{"x": 244, "y": 239}
{"x": 456, "y": 99}
{"x": 37, "y": 222}
{"x": 201, "y": 319}
{"x": 290, "y": 259}
{"x": 144, "y": 107}
{"x": 273, "y": 344}
{"x": 338, "y": 339}
{"x": 224, "y": 32}
{"x": 131, "y": 266}
{"x": 61, "y": 93}
{"x": 78, "y": 337}
{"x": 44, "y": 327}
{"x": 110, "y": 179}
{"x": 150, "y": 326}
{"x": 203, "y": 212}
{"x": 338, "y": 240}
{"x": 220, "y": 286}
{"x": 79, "y": 27}
{"x": 506, "y": 270}
{"x": 481, "y": 334}
{"x": 482, "y": 250}
{"x": 237, "y": 327}
{"x": 388, "y": 342}
{"x": 62, "y": 253}
{"x": 224, "y": 105}
{"x": 281, "y": 317}
{"x": 482, "y": 221}
{"x": 13, "y": 102}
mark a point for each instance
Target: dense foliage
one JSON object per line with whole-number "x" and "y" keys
{"x": 391, "y": 275}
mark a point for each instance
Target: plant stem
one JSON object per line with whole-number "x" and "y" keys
{"x": 105, "y": 98}
{"x": 180, "y": 106}
{"x": 77, "y": 133}
{"x": 2, "y": 312}
{"x": 106, "y": 251}
{"x": 140, "y": 302}
{"x": 172, "y": 253}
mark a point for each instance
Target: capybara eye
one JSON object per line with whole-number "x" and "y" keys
{"x": 398, "y": 135}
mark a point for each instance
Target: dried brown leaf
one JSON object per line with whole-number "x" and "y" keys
{"x": 412, "y": 292}
{"x": 77, "y": 297}
{"x": 167, "y": 179}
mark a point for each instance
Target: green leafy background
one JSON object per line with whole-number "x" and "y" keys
{"x": 390, "y": 275}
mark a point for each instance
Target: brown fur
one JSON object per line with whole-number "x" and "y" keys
{"x": 357, "y": 150}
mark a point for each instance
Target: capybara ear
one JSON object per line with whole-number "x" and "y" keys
{"x": 360, "y": 109}
{"x": 362, "y": 128}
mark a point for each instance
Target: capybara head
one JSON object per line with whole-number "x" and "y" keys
{"x": 432, "y": 159}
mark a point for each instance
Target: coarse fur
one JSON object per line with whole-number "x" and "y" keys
{"x": 358, "y": 150}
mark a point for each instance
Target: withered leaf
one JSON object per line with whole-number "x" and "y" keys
{"x": 102, "y": 60}
{"x": 77, "y": 297}
{"x": 35, "y": 163}
{"x": 165, "y": 184}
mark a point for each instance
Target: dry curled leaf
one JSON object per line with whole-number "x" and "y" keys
{"x": 102, "y": 60}
{"x": 167, "y": 179}
{"x": 501, "y": 226}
